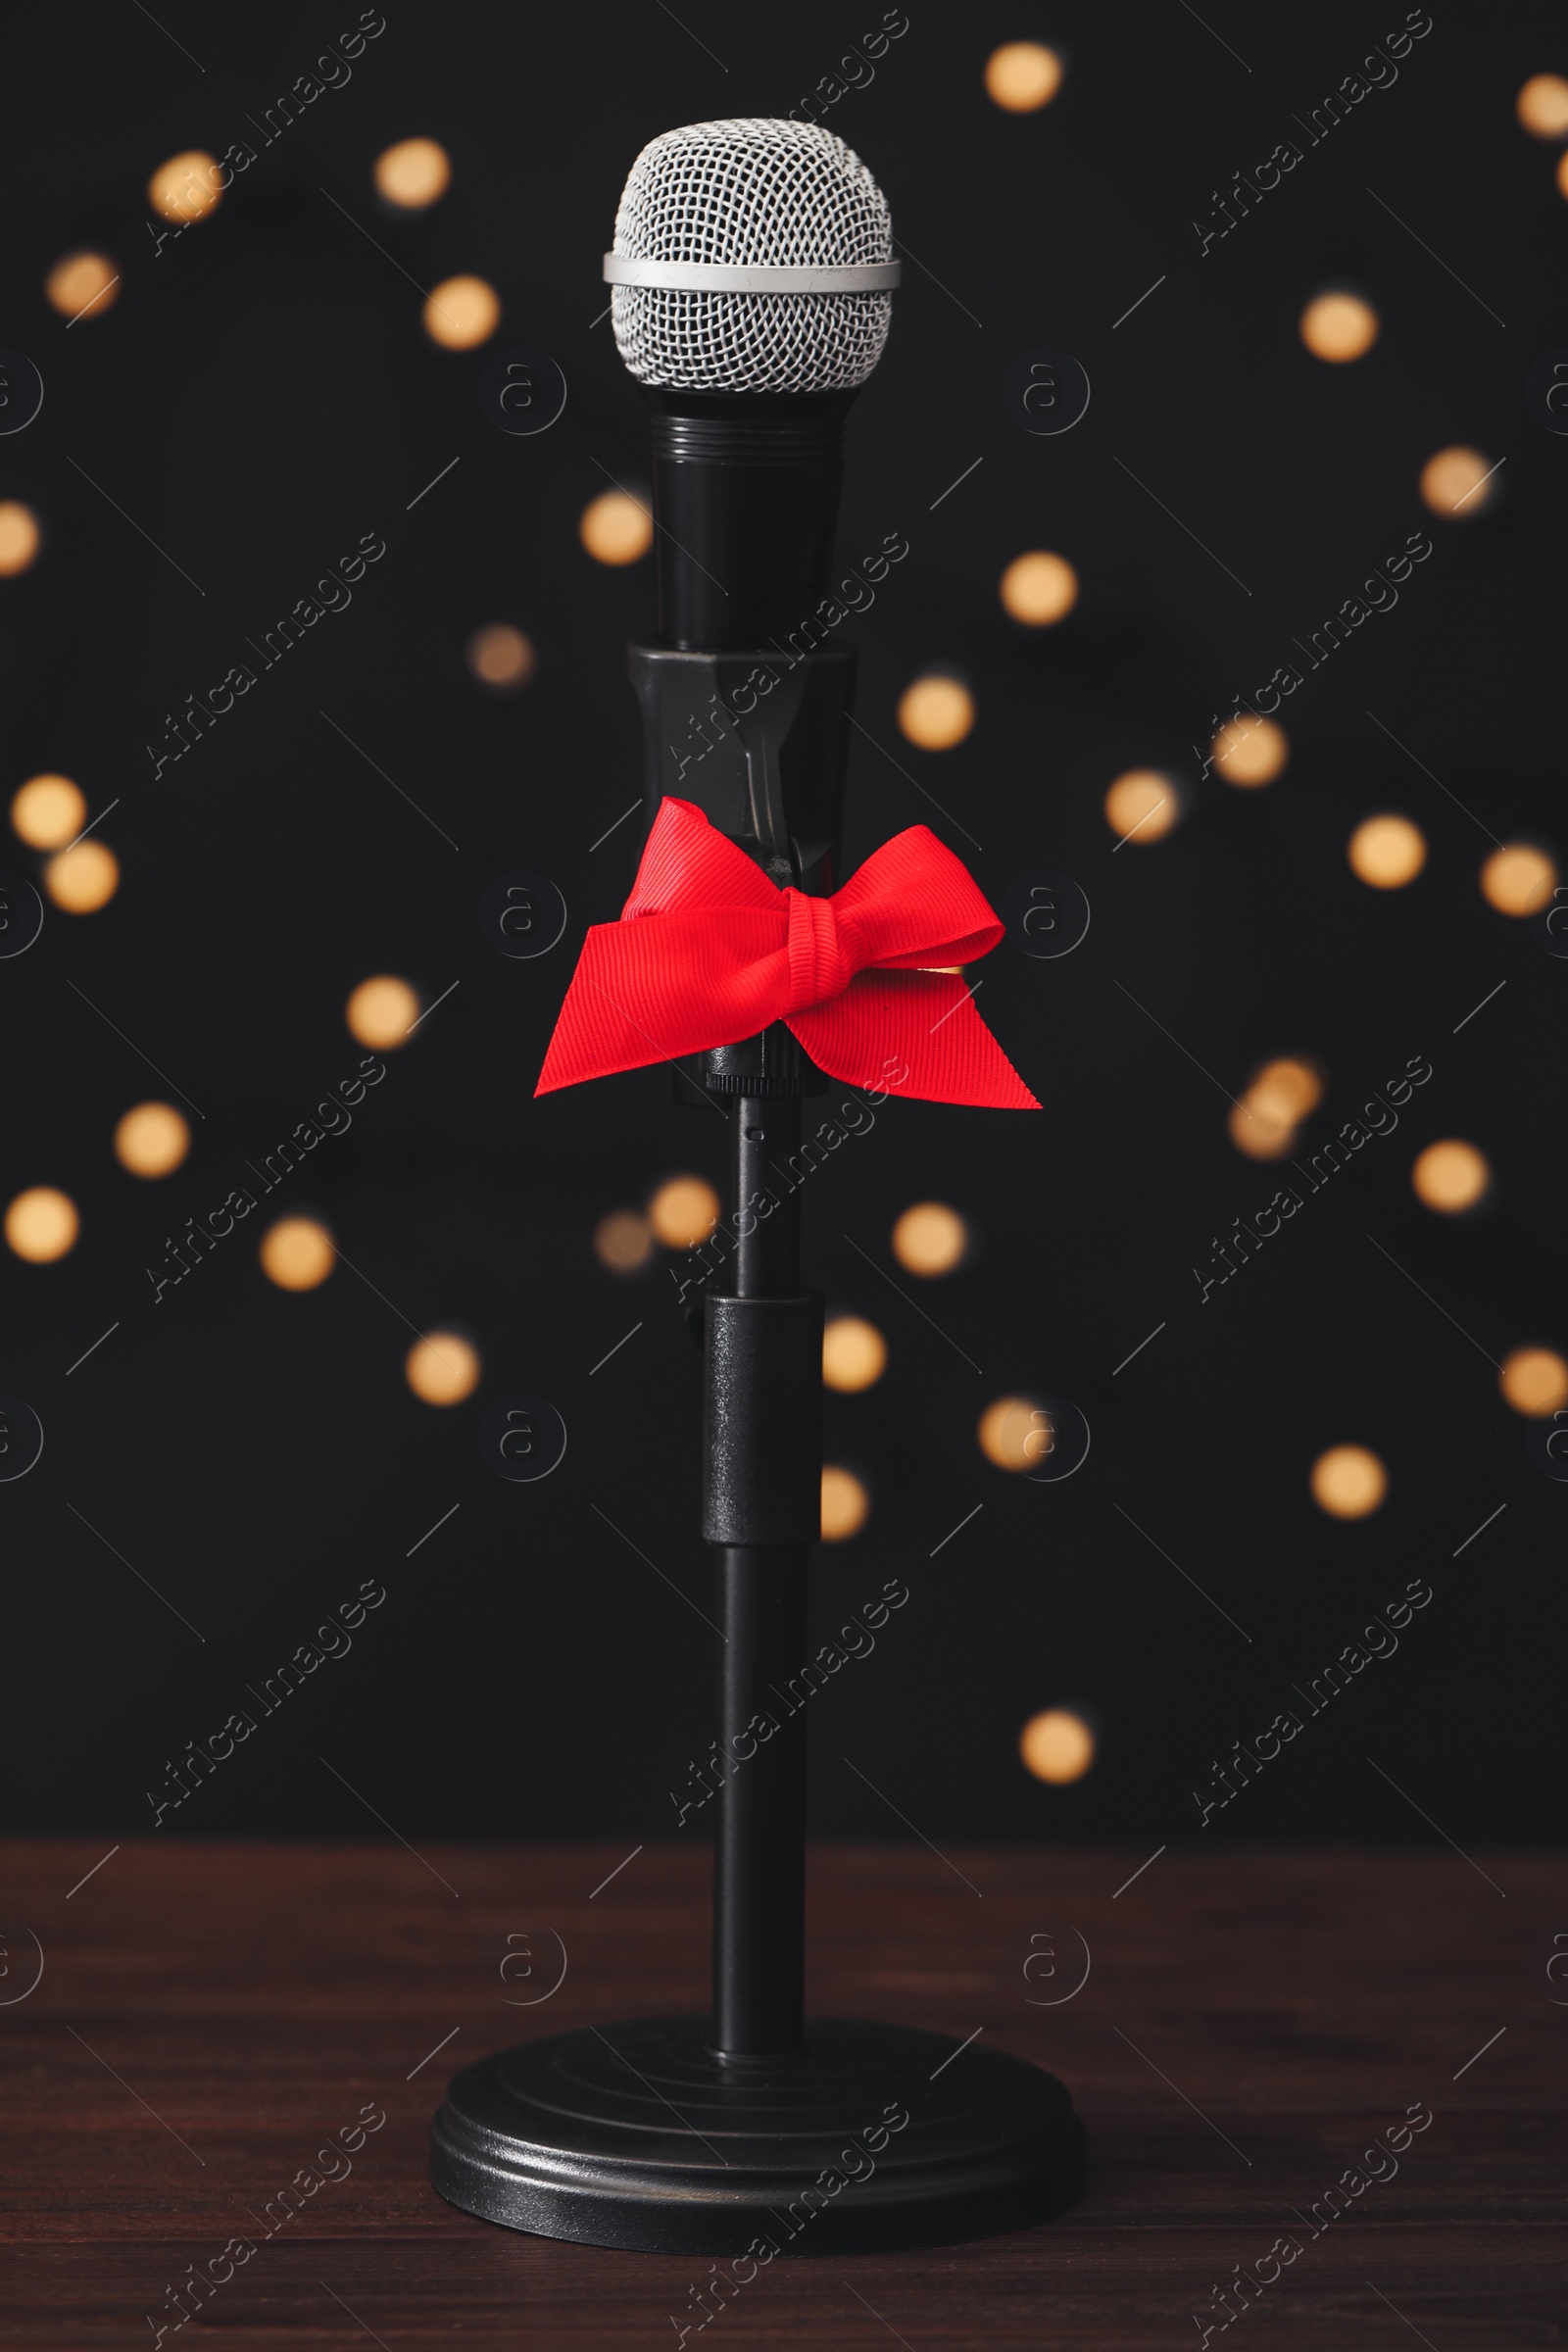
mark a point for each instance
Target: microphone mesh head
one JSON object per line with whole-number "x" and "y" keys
{"x": 761, "y": 192}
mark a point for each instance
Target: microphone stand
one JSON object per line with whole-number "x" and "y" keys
{"x": 753, "y": 2131}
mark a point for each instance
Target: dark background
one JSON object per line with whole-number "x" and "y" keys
{"x": 260, "y": 396}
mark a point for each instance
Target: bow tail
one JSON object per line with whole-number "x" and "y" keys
{"x": 915, "y": 1034}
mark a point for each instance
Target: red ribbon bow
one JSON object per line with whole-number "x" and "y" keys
{"x": 707, "y": 951}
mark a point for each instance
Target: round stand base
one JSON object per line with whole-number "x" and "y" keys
{"x": 638, "y": 2135}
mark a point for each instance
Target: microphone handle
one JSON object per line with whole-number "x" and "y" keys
{"x": 746, "y": 498}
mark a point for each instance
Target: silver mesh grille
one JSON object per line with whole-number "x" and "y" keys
{"x": 789, "y": 194}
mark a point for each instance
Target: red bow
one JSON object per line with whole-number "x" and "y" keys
{"x": 707, "y": 951}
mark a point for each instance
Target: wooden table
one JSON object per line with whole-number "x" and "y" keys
{"x": 212, "y": 2017}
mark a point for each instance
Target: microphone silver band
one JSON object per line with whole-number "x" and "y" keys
{"x": 744, "y": 277}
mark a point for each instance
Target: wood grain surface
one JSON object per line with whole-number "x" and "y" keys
{"x": 214, "y": 2018}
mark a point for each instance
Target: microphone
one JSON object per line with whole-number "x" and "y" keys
{"x": 752, "y": 278}
{"x": 751, "y": 273}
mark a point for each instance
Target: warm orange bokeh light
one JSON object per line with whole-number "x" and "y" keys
{"x": 930, "y": 1239}
{"x": 683, "y": 1211}
{"x": 1535, "y": 1381}
{"x": 297, "y": 1254}
{"x": 1141, "y": 805}
{"x": 1021, "y": 77}
{"x": 936, "y": 713}
{"x": 1450, "y": 1176}
{"x": 381, "y": 1012}
{"x": 1518, "y": 879}
{"x": 846, "y": 1504}
{"x": 187, "y": 187}
{"x": 855, "y": 1354}
{"x": 152, "y": 1139}
{"x": 48, "y": 811}
{"x": 624, "y": 1241}
{"x": 1056, "y": 1746}
{"x": 461, "y": 313}
{"x": 1348, "y": 1482}
{"x": 42, "y": 1224}
{"x": 616, "y": 528}
{"x": 1451, "y": 482}
{"x": 413, "y": 174}
{"x": 83, "y": 879}
{"x": 82, "y": 286}
{"x": 442, "y": 1368}
{"x": 1387, "y": 851}
{"x": 1038, "y": 588}
{"x": 501, "y": 657}
{"x": 1339, "y": 328}
{"x": 19, "y": 537}
{"x": 1251, "y": 751}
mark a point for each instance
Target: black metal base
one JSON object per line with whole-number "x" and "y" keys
{"x": 637, "y": 2135}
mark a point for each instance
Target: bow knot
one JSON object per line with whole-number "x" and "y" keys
{"x": 821, "y": 965}
{"x": 707, "y": 951}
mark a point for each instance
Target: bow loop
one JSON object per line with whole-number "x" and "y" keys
{"x": 708, "y": 953}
